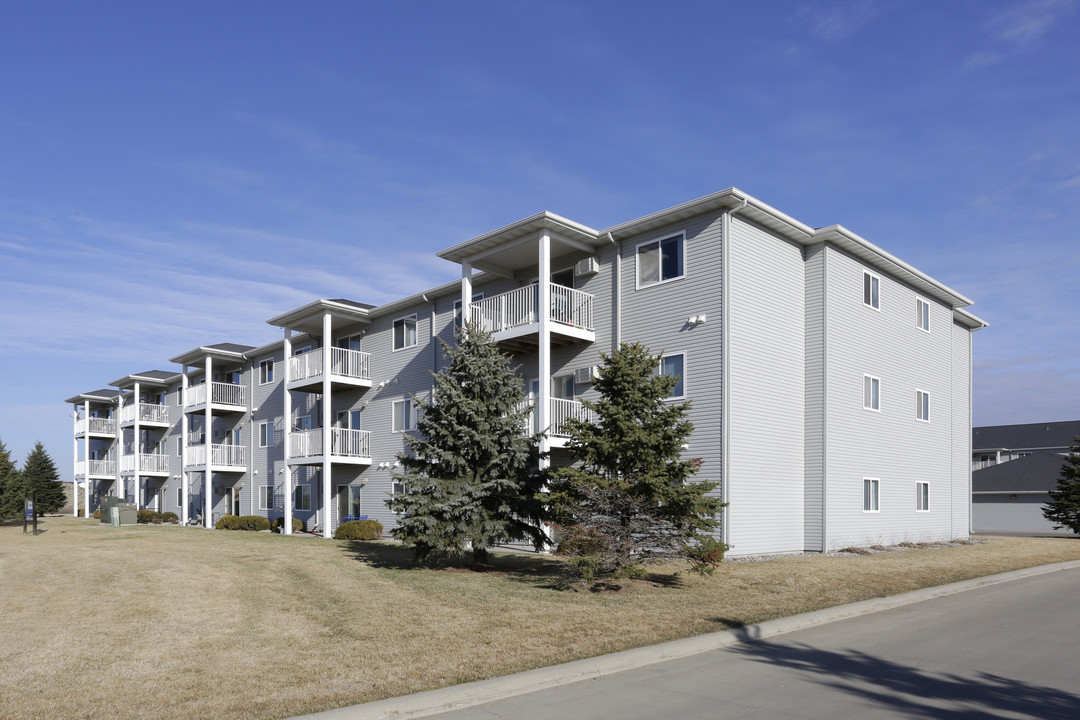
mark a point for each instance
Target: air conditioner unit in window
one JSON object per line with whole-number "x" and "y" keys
{"x": 584, "y": 375}
{"x": 586, "y": 266}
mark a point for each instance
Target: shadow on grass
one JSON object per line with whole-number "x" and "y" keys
{"x": 913, "y": 692}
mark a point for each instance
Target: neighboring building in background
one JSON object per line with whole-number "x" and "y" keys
{"x": 1014, "y": 469}
{"x": 815, "y": 362}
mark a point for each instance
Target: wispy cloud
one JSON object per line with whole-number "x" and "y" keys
{"x": 1019, "y": 28}
{"x": 837, "y": 21}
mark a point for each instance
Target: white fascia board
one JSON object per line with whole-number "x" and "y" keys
{"x": 318, "y": 307}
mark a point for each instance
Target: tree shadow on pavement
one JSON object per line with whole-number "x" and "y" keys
{"x": 914, "y": 692}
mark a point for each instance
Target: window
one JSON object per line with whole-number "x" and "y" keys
{"x": 266, "y": 434}
{"x": 922, "y": 314}
{"x": 303, "y": 422}
{"x": 922, "y": 406}
{"x": 457, "y": 308}
{"x": 660, "y": 261}
{"x": 674, "y": 365}
{"x": 266, "y": 372}
{"x": 871, "y": 285}
{"x": 353, "y": 342}
{"x": 870, "y": 494}
{"x": 302, "y": 497}
{"x": 922, "y": 497}
{"x": 562, "y": 387}
{"x": 179, "y": 497}
{"x": 179, "y": 396}
{"x": 871, "y": 393}
{"x": 349, "y": 419}
{"x": 266, "y": 497}
{"x": 404, "y": 415}
{"x": 404, "y": 332}
{"x": 179, "y": 446}
{"x": 301, "y": 350}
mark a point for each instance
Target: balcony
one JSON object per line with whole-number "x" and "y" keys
{"x": 348, "y": 369}
{"x": 148, "y": 415}
{"x": 95, "y": 426}
{"x": 512, "y": 318}
{"x": 223, "y": 458}
{"x": 105, "y": 469}
{"x": 559, "y": 411}
{"x": 350, "y": 447}
{"x": 224, "y": 398}
{"x": 149, "y": 464}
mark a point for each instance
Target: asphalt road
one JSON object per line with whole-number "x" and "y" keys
{"x": 1004, "y": 651}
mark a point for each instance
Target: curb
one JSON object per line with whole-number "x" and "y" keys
{"x": 483, "y": 691}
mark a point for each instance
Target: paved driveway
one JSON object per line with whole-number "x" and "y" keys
{"x": 1004, "y": 651}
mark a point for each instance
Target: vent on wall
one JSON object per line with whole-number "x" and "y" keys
{"x": 586, "y": 266}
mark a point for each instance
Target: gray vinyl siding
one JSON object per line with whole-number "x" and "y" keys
{"x": 961, "y": 430}
{"x": 656, "y": 316}
{"x": 890, "y": 445}
{"x": 1005, "y": 512}
{"x": 814, "y": 438}
{"x": 766, "y": 457}
{"x": 267, "y": 463}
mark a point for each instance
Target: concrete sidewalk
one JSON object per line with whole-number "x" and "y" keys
{"x": 483, "y": 691}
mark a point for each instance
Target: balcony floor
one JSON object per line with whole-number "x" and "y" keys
{"x": 337, "y": 383}
{"x": 334, "y": 460}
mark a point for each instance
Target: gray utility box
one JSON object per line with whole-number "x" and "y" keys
{"x": 116, "y": 512}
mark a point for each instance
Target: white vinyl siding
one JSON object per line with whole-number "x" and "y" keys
{"x": 405, "y": 332}
{"x": 660, "y": 261}
{"x": 871, "y": 495}
{"x": 922, "y": 497}
{"x": 871, "y": 392}
{"x": 871, "y": 290}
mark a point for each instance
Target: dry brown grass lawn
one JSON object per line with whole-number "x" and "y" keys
{"x": 161, "y": 622}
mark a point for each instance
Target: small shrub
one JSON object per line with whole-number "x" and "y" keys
{"x": 855, "y": 550}
{"x": 254, "y": 523}
{"x": 228, "y": 522}
{"x": 146, "y": 517}
{"x": 170, "y": 517}
{"x": 359, "y": 530}
{"x": 706, "y": 555}
{"x": 97, "y": 514}
{"x": 586, "y": 567}
{"x": 578, "y": 541}
{"x": 297, "y": 525}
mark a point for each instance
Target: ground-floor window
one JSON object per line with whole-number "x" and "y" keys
{"x": 266, "y": 497}
{"x": 870, "y": 494}
{"x": 302, "y": 497}
{"x": 922, "y": 497}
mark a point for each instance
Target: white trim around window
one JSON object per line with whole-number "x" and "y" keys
{"x": 266, "y": 434}
{"x": 302, "y": 497}
{"x": 871, "y": 495}
{"x": 403, "y": 417}
{"x": 660, "y": 268}
{"x": 674, "y": 364}
{"x": 266, "y": 372}
{"x": 871, "y": 393}
{"x": 922, "y": 314}
{"x": 266, "y": 497}
{"x": 922, "y": 496}
{"x": 180, "y": 496}
{"x": 871, "y": 290}
{"x": 409, "y": 331}
{"x": 179, "y": 446}
{"x": 922, "y": 405}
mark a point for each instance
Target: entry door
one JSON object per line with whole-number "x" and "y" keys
{"x": 348, "y": 502}
{"x": 232, "y": 495}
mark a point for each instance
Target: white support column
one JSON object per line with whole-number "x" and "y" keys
{"x": 185, "y": 500}
{"x": 327, "y": 344}
{"x": 86, "y": 455}
{"x": 208, "y": 440}
{"x": 118, "y": 450}
{"x": 286, "y": 526}
{"x": 466, "y": 292}
{"x": 137, "y": 446}
{"x": 75, "y": 460}
{"x": 543, "y": 314}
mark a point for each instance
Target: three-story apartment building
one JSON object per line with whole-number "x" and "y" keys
{"x": 830, "y": 381}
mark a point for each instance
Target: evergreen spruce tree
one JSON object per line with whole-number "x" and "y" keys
{"x": 11, "y": 497}
{"x": 1064, "y": 507}
{"x": 39, "y": 475}
{"x": 471, "y": 476}
{"x": 629, "y": 498}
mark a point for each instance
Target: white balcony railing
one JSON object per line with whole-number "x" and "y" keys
{"x": 102, "y": 426}
{"x": 343, "y": 443}
{"x": 517, "y": 308}
{"x": 147, "y": 413}
{"x": 148, "y": 462}
{"x": 222, "y": 394}
{"x": 106, "y": 468}
{"x": 233, "y": 456}
{"x": 562, "y": 410}
{"x": 343, "y": 362}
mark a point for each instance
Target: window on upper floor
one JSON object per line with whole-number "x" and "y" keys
{"x": 457, "y": 308}
{"x": 871, "y": 488}
{"x": 675, "y": 366}
{"x": 922, "y": 314}
{"x": 266, "y": 372}
{"x": 660, "y": 260}
{"x": 266, "y": 434}
{"x": 404, "y": 415}
{"x": 871, "y": 392}
{"x": 922, "y": 406}
{"x": 922, "y": 497}
{"x": 405, "y": 332}
{"x": 871, "y": 290}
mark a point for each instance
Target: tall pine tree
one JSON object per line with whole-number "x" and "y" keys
{"x": 630, "y": 497}
{"x": 471, "y": 474}
{"x": 11, "y": 496}
{"x": 1064, "y": 507}
{"x": 40, "y": 478}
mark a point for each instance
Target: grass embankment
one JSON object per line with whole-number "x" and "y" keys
{"x": 165, "y": 622}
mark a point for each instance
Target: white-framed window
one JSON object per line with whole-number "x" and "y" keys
{"x": 922, "y": 406}
{"x": 349, "y": 419}
{"x": 871, "y": 290}
{"x": 871, "y": 393}
{"x": 179, "y": 446}
{"x": 675, "y": 365}
{"x": 660, "y": 261}
{"x": 302, "y": 497}
{"x": 266, "y": 434}
{"x": 352, "y": 342}
{"x": 266, "y": 372}
{"x": 266, "y": 497}
{"x": 457, "y": 308}
{"x": 922, "y": 497}
{"x": 870, "y": 491}
{"x": 180, "y": 396}
{"x": 922, "y": 314}
{"x": 404, "y": 415}
{"x": 405, "y": 332}
{"x": 180, "y": 497}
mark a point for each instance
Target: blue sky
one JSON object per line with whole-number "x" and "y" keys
{"x": 173, "y": 174}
